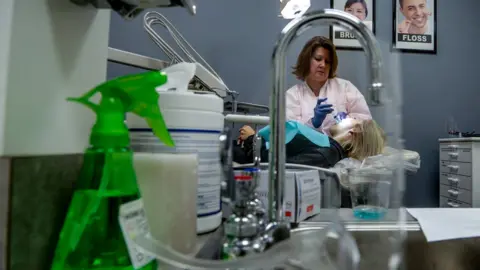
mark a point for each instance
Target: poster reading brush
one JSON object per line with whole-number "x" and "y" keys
{"x": 363, "y": 10}
{"x": 415, "y": 26}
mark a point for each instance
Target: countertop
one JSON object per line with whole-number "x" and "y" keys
{"x": 346, "y": 215}
{"x": 460, "y": 139}
{"x": 208, "y": 244}
{"x": 351, "y": 223}
{"x": 374, "y": 239}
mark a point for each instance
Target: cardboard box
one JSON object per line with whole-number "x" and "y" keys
{"x": 302, "y": 194}
{"x": 309, "y": 194}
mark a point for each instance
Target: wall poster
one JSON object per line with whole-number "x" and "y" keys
{"x": 362, "y": 9}
{"x": 415, "y": 26}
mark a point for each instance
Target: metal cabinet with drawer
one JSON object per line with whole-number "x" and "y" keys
{"x": 460, "y": 172}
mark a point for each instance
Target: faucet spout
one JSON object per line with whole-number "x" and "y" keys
{"x": 277, "y": 98}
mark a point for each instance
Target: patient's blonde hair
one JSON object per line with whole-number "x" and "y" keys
{"x": 367, "y": 139}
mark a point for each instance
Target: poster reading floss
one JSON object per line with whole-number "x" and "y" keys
{"x": 415, "y": 25}
{"x": 363, "y": 10}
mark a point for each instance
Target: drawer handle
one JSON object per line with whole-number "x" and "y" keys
{"x": 453, "y": 180}
{"x": 454, "y": 205}
{"x": 453, "y": 155}
{"x": 453, "y": 147}
{"x": 453, "y": 192}
{"x": 453, "y": 167}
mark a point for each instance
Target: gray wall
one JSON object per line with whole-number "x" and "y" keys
{"x": 237, "y": 38}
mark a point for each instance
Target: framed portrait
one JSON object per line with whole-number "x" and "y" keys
{"x": 415, "y": 26}
{"x": 362, "y": 9}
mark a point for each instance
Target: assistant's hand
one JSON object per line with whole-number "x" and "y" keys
{"x": 320, "y": 112}
{"x": 245, "y": 132}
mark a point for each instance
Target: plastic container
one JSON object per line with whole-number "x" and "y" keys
{"x": 370, "y": 192}
{"x": 104, "y": 211}
{"x": 167, "y": 185}
{"x": 195, "y": 122}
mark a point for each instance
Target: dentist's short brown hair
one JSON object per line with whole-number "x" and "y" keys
{"x": 302, "y": 68}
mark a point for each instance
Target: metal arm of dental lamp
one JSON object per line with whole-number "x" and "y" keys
{"x": 247, "y": 119}
{"x": 129, "y": 9}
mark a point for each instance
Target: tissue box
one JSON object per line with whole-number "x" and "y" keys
{"x": 302, "y": 194}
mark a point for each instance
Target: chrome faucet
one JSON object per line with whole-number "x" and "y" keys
{"x": 277, "y": 97}
{"x": 245, "y": 226}
{"x": 244, "y": 223}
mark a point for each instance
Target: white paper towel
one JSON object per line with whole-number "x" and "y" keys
{"x": 447, "y": 223}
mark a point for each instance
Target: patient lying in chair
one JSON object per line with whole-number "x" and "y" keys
{"x": 351, "y": 138}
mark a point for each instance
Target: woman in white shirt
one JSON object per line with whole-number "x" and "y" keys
{"x": 320, "y": 91}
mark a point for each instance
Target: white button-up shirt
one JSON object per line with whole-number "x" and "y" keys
{"x": 342, "y": 94}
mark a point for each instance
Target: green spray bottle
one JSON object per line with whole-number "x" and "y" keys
{"x": 92, "y": 237}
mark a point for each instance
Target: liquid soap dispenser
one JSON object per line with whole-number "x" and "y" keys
{"x": 93, "y": 234}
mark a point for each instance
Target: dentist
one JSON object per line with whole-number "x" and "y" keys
{"x": 312, "y": 101}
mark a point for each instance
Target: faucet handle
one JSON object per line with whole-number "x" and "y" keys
{"x": 257, "y": 151}
{"x": 226, "y": 160}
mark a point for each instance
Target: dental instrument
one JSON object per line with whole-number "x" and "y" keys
{"x": 206, "y": 78}
{"x": 339, "y": 117}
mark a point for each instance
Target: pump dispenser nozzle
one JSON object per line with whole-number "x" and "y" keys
{"x": 131, "y": 93}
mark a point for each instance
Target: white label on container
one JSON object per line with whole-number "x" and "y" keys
{"x": 133, "y": 222}
{"x": 309, "y": 194}
{"x": 203, "y": 142}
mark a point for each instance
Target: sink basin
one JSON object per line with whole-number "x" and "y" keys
{"x": 374, "y": 247}
{"x": 461, "y": 254}
{"x": 374, "y": 243}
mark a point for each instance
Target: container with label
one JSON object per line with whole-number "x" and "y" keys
{"x": 195, "y": 122}
{"x": 302, "y": 194}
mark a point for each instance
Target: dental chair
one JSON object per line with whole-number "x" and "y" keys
{"x": 334, "y": 194}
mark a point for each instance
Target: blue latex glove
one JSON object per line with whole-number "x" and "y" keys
{"x": 320, "y": 112}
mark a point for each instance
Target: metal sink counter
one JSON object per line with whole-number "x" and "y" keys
{"x": 209, "y": 245}
{"x": 373, "y": 240}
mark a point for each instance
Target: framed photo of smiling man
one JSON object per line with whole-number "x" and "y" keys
{"x": 415, "y": 26}
{"x": 364, "y": 10}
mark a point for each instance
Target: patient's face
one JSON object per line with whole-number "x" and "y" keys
{"x": 344, "y": 126}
